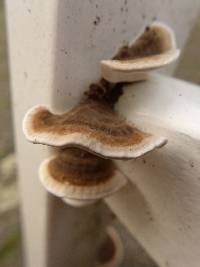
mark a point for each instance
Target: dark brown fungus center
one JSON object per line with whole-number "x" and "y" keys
{"x": 79, "y": 167}
{"x": 92, "y": 118}
{"x": 105, "y": 92}
{"x": 152, "y": 42}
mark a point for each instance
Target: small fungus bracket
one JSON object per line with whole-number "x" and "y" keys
{"x": 154, "y": 48}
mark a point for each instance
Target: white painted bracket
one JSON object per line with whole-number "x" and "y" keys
{"x": 161, "y": 205}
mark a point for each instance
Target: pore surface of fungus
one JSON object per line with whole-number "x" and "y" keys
{"x": 93, "y": 126}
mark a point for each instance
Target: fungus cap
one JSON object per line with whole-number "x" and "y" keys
{"x": 111, "y": 252}
{"x": 92, "y": 126}
{"x": 77, "y": 175}
{"x": 154, "y": 48}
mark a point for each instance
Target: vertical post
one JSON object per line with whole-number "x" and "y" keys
{"x": 54, "y": 50}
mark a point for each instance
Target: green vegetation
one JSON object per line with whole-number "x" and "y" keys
{"x": 10, "y": 247}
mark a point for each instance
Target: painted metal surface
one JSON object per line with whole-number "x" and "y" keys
{"x": 161, "y": 207}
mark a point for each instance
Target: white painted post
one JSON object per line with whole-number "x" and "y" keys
{"x": 54, "y": 49}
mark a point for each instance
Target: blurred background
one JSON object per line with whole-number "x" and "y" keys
{"x": 10, "y": 241}
{"x": 10, "y": 232}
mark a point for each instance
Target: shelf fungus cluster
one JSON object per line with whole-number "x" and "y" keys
{"x": 91, "y": 135}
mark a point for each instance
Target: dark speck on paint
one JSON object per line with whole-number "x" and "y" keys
{"x": 97, "y": 20}
{"x": 144, "y": 161}
{"x": 25, "y": 74}
{"x": 64, "y": 51}
{"x": 191, "y": 164}
{"x": 154, "y": 18}
{"x": 143, "y": 16}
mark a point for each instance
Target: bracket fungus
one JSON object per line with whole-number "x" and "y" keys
{"x": 92, "y": 125}
{"x": 92, "y": 134}
{"x": 80, "y": 177}
{"x": 154, "y": 48}
{"x": 111, "y": 252}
